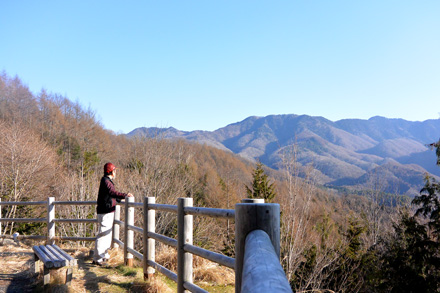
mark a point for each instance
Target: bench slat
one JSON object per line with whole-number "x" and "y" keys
{"x": 43, "y": 257}
{"x": 71, "y": 260}
{"x": 63, "y": 261}
{"x": 53, "y": 258}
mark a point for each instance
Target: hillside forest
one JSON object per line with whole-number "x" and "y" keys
{"x": 368, "y": 242}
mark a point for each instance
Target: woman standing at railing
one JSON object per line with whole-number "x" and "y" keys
{"x": 107, "y": 197}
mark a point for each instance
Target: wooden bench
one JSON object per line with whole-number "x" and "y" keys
{"x": 53, "y": 258}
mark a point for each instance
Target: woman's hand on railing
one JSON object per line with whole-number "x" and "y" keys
{"x": 130, "y": 195}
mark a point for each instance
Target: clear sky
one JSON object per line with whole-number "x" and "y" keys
{"x": 201, "y": 65}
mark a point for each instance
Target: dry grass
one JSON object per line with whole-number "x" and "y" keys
{"x": 167, "y": 257}
{"x": 16, "y": 264}
{"x": 206, "y": 273}
{"x": 211, "y": 273}
{"x": 14, "y": 257}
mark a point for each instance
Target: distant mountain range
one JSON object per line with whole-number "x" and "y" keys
{"x": 351, "y": 153}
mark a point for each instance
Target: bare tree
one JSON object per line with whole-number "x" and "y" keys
{"x": 17, "y": 103}
{"x": 305, "y": 237}
{"x": 159, "y": 168}
{"x": 27, "y": 166}
{"x": 295, "y": 210}
{"x": 379, "y": 209}
{"x": 374, "y": 211}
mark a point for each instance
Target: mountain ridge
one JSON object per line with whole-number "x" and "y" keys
{"x": 345, "y": 153}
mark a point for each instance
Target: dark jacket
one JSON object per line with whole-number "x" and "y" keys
{"x": 107, "y": 196}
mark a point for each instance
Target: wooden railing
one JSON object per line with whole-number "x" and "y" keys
{"x": 50, "y": 220}
{"x": 251, "y": 215}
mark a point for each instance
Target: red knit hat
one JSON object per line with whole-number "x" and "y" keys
{"x": 108, "y": 168}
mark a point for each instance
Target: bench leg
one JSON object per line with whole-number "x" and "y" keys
{"x": 68, "y": 275}
{"x": 46, "y": 276}
{"x": 37, "y": 263}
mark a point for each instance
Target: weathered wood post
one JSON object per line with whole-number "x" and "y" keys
{"x": 252, "y": 200}
{"x": 251, "y": 216}
{"x": 50, "y": 220}
{"x": 149, "y": 243}
{"x": 184, "y": 236}
{"x": 116, "y": 226}
{"x": 37, "y": 263}
{"x": 128, "y": 234}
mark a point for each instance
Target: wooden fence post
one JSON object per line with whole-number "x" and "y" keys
{"x": 149, "y": 243}
{"x": 249, "y": 217}
{"x": 50, "y": 220}
{"x": 116, "y": 226}
{"x": 252, "y": 200}
{"x": 128, "y": 234}
{"x": 184, "y": 236}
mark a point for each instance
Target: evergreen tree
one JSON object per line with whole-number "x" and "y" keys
{"x": 261, "y": 187}
{"x": 409, "y": 261}
{"x": 429, "y": 204}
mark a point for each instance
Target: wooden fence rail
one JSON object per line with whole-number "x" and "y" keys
{"x": 251, "y": 215}
{"x": 262, "y": 271}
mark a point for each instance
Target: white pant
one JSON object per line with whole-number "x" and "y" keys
{"x": 104, "y": 237}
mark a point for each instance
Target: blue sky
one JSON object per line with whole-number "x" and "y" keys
{"x": 205, "y": 64}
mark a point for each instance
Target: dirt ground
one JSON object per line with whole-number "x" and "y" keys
{"x": 16, "y": 263}
{"x": 17, "y": 272}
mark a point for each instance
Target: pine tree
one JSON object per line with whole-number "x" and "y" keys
{"x": 410, "y": 258}
{"x": 261, "y": 187}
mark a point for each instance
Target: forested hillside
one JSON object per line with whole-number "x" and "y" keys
{"x": 348, "y": 154}
{"x": 52, "y": 146}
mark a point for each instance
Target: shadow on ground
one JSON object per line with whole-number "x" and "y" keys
{"x": 20, "y": 282}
